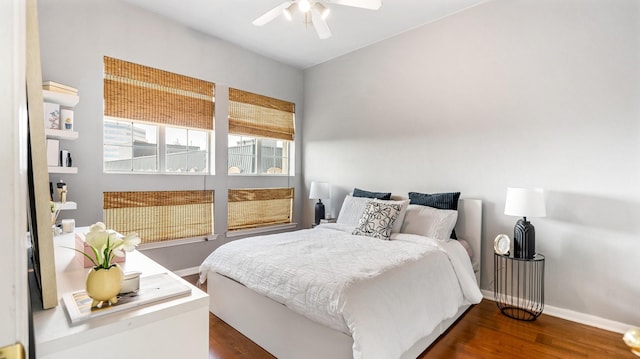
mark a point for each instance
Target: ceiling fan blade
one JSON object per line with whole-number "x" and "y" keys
{"x": 271, "y": 14}
{"x": 363, "y": 4}
{"x": 322, "y": 29}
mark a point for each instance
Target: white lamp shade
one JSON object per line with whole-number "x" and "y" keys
{"x": 319, "y": 190}
{"x": 525, "y": 202}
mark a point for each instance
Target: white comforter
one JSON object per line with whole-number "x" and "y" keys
{"x": 385, "y": 294}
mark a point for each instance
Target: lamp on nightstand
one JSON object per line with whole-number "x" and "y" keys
{"x": 319, "y": 190}
{"x": 524, "y": 202}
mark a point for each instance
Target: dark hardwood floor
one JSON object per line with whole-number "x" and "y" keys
{"x": 483, "y": 332}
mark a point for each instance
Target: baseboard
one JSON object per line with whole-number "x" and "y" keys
{"x": 582, "y": 318}
{"x": 187, "y": 271}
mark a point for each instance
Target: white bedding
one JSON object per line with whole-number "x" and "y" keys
{"x": 385, "y": 294}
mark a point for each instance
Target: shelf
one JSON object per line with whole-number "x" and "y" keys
{"x": 62, "y": 99}
{"x": 61, "y": 134}
{"x": 68, "y": 170}
{"x": 68, "y": 205}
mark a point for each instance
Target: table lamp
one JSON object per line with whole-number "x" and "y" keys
{"x": 524, "y": 202}
{"x": 319, "y": 190}
{"x": 632, "y": 339}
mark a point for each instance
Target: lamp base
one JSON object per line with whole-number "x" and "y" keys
{"x": 319, "y": 211}
{"x": 524, "y": 239}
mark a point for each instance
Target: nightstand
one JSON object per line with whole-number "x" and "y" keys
{"x": 326, "y": 220}
{"x": 519, "y": 285}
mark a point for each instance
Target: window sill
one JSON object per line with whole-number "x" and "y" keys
{"x": 260, "y": 175}
{"x": 244, "y": 232}
{"x": 177, "y": 242}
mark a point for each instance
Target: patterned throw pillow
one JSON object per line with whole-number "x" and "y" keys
{"x": 377, "y": 220}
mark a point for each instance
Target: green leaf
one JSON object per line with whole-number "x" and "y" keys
{"x": 84, "y": 254}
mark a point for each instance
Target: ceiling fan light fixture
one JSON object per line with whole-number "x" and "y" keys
{"x": 314, "y": 12}
{"x": 288, "y": 12}
{"x": 304, "y": 5}
{"x": 323, "y": 10}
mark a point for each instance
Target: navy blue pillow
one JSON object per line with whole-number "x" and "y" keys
{"x": 378, "y": 195}
{"x": 447, "y": 200}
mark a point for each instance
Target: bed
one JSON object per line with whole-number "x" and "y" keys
{"x": 364, "y": 312}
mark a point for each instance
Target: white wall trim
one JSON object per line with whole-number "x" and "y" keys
{"x": 577, "y": 317}
{"x": 187, "y": 271}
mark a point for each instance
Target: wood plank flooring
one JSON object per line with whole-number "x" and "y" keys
{"x": 483, "y": 332}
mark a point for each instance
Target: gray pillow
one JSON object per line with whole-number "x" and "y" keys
{"x": 447, "y": 200}
{"x": 379, "y": 195}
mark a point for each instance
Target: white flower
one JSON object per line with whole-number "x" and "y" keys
{"x": 97, "y": 239}
{"x": 97, "y": 226}
{"x": 127, "y": 244}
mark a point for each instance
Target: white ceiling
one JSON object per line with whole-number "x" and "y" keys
{"x": 294, "y": 43}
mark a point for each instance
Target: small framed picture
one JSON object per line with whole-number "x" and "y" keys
{"x": 51, "y": 116}
{"x": 66, "y": 119}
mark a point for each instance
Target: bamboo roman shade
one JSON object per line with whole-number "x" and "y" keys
{"x": 142, "y": 93}
{"x": 159, "y": 216}
{"x": 251, "y": 208}
{"x": 260, "y": 116}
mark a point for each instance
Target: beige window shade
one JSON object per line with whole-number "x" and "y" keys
{"x": 142, "y": 93}
{"x": 159, "y": 216}
{"x": 252, "y": 208}
{"x": 260, "y": 116}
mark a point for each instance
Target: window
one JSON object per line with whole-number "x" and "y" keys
{"x": 252, "y": 208}
{"x": 156, "y": 121}
{"x": 130, "y": 147}
{"x": 186, "y": 150}
{"x": 160, "y": 216}
{"x": 261, "y": 133}
{"x": 252, "y": 155}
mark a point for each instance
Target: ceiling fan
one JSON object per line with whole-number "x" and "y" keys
{"x": 315, "y": 12}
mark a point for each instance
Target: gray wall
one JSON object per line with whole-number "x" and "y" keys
{"x": 538, "y": 93}
{"x": 74, "y": 37}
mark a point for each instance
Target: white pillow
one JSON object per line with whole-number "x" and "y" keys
{"x": 351, "y": 210}
{"x": 353, "y": 207}
{"x": 429, "y": 222}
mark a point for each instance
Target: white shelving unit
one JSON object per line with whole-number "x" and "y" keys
{"x": 65, "y": 100}
{"x": 61, "y": 134}
{"x": 65, "y": 206}
{"x": 63, "y": 170}
{"x": 60, "y": 98}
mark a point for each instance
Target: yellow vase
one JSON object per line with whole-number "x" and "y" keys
{"x": 103, "y": 285}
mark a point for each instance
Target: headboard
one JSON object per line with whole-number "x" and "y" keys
{"x": 469, "y": 228}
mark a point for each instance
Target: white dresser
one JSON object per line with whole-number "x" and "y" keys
{"x": 175, "y": 328}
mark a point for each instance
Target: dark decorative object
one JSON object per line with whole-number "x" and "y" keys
{"x": 524, "y": 202}
{"x": 319, "y": 211}
{"x": 524, "y": 235}
{"x": 319, "y": 190}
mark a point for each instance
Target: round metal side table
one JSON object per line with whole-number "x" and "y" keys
{"x": 519, "y": 285}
